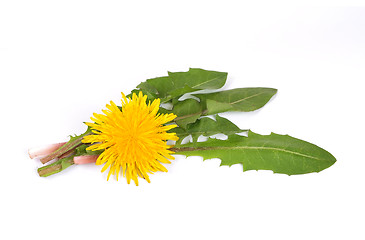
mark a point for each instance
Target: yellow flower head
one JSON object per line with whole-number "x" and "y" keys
{"x": 133, "y": 137}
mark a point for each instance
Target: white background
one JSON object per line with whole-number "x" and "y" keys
{"x": 60, "y": 61}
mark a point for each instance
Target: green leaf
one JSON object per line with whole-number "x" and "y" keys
{"x": 82, "y": 150}
{"x": 189, "y": 111}
{"x": 196, "y": 79}
{"x": 177, "y": 84}
{"x": 207, "y": 127}
{"x": 279, "y": 153}
{"x": 161, "y": 87}
{"x": 239, "y": 99}
{"x": 146, "y": 89}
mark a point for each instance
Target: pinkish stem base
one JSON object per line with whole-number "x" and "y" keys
{"x": 85, "y": 159}
{"x": 44, "y": 150}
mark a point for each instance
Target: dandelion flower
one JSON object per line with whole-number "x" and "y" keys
{"x": 133, "y": 137}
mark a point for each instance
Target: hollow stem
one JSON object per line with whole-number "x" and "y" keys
{"x": 56, "y": 167}
{"x": 67, "y": 148}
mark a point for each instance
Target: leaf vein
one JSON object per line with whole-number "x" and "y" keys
{"x": 188, "y": 149}
{"x": 243, "y": 99}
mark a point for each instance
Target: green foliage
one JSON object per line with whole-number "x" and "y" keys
{"x": 207, "y": 127}
{"x": 81, "y": 150}
{"x": 188, "y": 111}
{"x": 177, "y": 84}
{"x": 170, "y": 88}
{"x": 279, "y": 153}
{"x": 239, "y": 99}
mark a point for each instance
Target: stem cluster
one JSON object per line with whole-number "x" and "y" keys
{"x": 64, "y": 155}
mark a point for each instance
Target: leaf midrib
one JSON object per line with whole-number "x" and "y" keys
{"x": 213, "y": 79}
{"x": 191, "y": 149}
{"x": 243, "y": 99}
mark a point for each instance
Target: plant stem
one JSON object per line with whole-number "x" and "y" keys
{"x": 55, "y": 167}
{"x": 67, "y": 148}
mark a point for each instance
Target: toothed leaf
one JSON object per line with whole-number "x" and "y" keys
{"x": 207, "y": 127}
{"x": 177, "y": 84}
{"x": 279, "y": 153}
